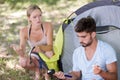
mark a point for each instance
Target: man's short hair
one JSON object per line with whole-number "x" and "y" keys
{"x": 87, "y": 24}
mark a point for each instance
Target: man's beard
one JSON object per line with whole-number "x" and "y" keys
{"x": 86, "y": 44}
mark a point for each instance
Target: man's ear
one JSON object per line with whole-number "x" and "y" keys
{"x": 93, "y": 34}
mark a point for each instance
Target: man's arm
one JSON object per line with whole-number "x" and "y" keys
{"x": 110, "y": 74}
{"x": 75, "y": 75}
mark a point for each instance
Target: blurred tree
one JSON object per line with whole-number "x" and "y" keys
{"x": 2, "y": 1}
{"x": 90, "y": 0}
{"x": 13, "y": 3}
{"x": 83, "y": 2}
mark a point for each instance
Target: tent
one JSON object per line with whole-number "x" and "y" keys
{"x": 107, "y": 17}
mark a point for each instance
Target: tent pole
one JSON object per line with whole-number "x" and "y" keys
{"x": 115, "y": 0}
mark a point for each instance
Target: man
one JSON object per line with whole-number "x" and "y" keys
{"x": 95, "y": 59}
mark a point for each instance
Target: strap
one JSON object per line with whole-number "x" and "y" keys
{"x": 42, "y": 28}
{"x": 29, "y": 31}
{"x": 42, "y": 63}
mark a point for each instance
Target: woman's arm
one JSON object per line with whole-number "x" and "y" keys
{"x": 45, "y": 47}
{"x": 20, "y": 49}
{"x": 49, "y": 34}
{"x": 23, "y": 38}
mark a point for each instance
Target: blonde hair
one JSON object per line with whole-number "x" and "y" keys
{"x": 31, "y": 8}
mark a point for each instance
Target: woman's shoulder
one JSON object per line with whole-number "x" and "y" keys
{"x": 47, "y": 24}
{"x": 24, "y": 29}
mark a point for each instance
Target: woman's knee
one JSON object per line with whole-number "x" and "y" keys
{"x": 23, "y": 63}
{"x": 28, "y": 63}
{"x": 35, "y": 61}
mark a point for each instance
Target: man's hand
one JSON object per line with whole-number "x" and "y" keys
{"x": 60, "y": 75}
{"x": 97, "y": 69}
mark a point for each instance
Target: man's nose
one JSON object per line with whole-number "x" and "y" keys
{"x": 81, "y": 40}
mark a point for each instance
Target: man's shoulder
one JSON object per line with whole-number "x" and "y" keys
{"x": 78, "y": 49}
{"x": 104, "y": 44}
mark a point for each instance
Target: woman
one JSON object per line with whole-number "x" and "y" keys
{"x": 38, "y": 34}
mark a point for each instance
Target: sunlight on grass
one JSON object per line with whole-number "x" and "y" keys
{"x": 11, "y": 64}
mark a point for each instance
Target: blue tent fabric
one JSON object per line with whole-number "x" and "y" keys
{"x": 92, "y": 5}
{"x": 106, "y": 13}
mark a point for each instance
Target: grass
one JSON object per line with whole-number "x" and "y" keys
{"x": 9, "y": 70}
{"x": 11, "y": 20}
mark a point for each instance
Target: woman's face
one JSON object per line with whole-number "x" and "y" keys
{"x": 35, "y": 17}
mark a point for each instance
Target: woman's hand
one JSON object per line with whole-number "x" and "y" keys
{"x": 49, "y": 54}
{"x": 36, "y": 49}
{"x": 17, "y": 49}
